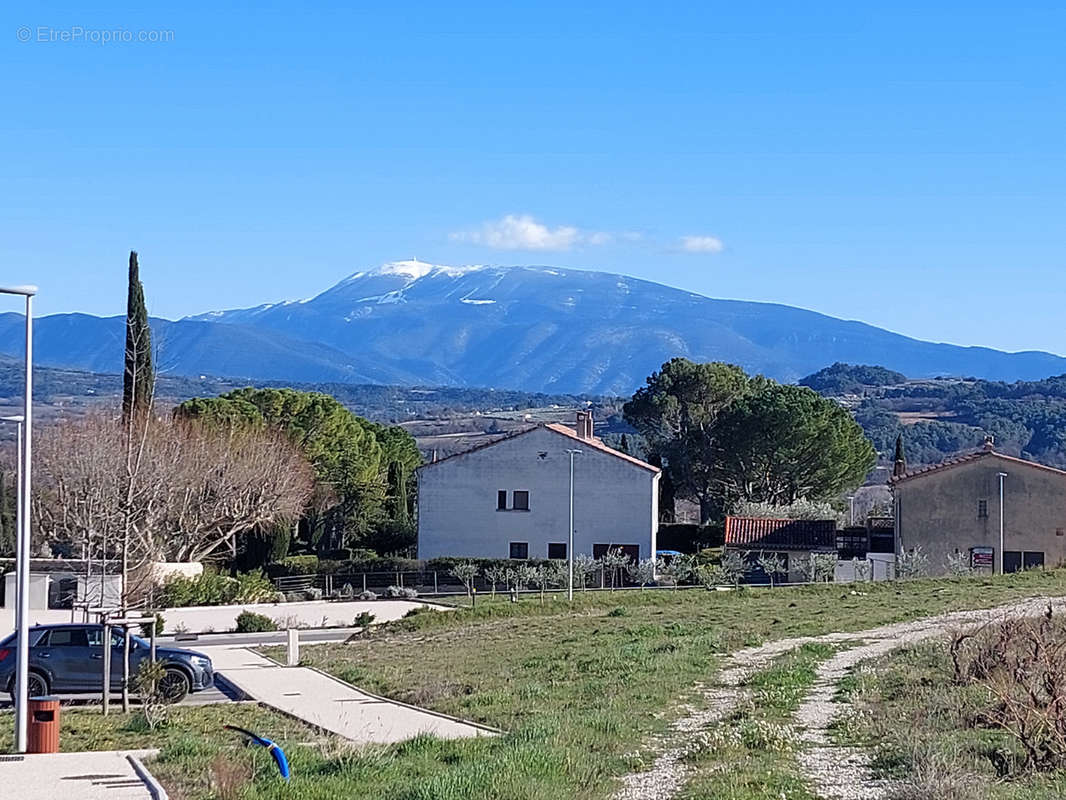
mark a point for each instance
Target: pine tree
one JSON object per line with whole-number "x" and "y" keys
{"x": 900, "y": 465}
{"x": 138, "y": 378}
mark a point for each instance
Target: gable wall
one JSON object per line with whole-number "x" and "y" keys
{"x": 615, "y": 502}
{"x": 939, "y": 511}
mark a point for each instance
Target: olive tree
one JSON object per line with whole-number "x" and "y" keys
{"x": 772, "y": 564}
{"x": 641, "y": 572}
{"x": 466, "y": 571}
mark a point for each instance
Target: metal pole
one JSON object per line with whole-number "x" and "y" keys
{"x": 570, "y": 545}
{"x": 106, "y": 698}
{"x": 18, "y": 531}
{"x": 23, "y": 568}
{"x": 1002, "y": 475}
{"x": 125, "y": 668}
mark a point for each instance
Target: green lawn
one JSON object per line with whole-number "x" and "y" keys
{"x": 578, "y": 690}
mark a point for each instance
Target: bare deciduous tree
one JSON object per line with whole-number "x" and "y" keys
{"x": 175, "y": 490}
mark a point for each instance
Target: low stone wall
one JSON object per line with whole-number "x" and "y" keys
{"x": 310, "y": 614}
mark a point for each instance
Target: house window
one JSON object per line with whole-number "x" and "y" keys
{"x": 519, "y": 549}
{"x": 1059, "y": 532}
{"x": 1032, "y": 560}
{"x": 521, "y": 501}
{"x": 556, "y": 550}
{"x": 982, "y": 509}
{"x": 501, "y": 500}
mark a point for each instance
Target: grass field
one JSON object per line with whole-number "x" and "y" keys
{"x": 929, "y": 734}
{"x": 579, "y": 690}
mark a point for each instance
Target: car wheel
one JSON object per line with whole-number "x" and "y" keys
{"x": 174, "y": 686}
{"x": 37, "y": 686}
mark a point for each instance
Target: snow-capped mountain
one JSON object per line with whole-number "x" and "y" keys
{"x": 545, "y": 328}
{"x": 525, "y": 327}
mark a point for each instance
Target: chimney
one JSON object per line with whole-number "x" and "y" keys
{"x": 584, "y": 425}
{"x": 990, "y": 443}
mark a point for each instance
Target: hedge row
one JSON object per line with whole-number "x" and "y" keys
{"x": 313, "y": 565}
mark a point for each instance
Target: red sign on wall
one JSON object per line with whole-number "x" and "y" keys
{"x": 982, "y": 558}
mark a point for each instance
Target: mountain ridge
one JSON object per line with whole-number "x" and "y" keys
{"x": 534, "y": 328}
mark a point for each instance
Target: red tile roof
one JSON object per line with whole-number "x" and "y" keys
{"x": 754, "y": 533}
{"x": 596, "y": 444}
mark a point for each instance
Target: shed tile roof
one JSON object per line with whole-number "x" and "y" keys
{"x": 780, "y": 534}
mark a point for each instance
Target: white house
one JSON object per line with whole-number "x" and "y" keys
{"x": 510, "y": 498}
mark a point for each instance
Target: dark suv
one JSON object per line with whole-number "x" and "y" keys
{"x": 69, "y": 659}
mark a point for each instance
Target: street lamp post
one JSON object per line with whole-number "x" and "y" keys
{"x": 1002, "y": 561}
{"x": 22, "y": 564}
{"x": 570, "y": 546}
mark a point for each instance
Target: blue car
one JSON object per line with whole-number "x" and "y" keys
{"x": 68, "y": 659}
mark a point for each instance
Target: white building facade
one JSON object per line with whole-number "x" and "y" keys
{"x": 510, "y": 498}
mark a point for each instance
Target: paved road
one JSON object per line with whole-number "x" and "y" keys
{"x": 108, "y": 775}
{"x": 331, "y": 704}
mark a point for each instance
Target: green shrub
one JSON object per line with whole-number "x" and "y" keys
{"x": 294, "y": 565}
{"x": 254, "y": 587}
{"x": 363, "y": 619}
{"x": 618, "y": 611}
{"x": 250, "y": 622}
{"x": 212, "y": 589}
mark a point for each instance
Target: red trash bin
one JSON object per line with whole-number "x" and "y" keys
{"x": 43, "y": 734}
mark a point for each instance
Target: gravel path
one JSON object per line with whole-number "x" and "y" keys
{"x": 835, "y": 773}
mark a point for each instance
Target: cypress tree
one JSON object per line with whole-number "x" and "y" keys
{"x": 138, "y": 377}
{"x": 900, "y": 465}
{"x": 623, "y": 445}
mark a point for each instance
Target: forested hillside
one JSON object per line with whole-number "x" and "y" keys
{"x": 941, "y": 417}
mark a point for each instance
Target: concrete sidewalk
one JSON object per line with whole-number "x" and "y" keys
{"x": 333, "y": 705}
{"x": 107, "y": 775}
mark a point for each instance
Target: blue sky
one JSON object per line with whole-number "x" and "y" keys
{"x": 904, "y": 166}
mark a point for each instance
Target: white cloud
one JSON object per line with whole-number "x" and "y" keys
{"x": 701, "y": 244}
{"x": 523, "y": 232}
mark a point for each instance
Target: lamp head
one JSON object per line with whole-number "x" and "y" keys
{"x": 26, "y": 290}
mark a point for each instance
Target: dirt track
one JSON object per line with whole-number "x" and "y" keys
{"x": 834, "y": 773}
